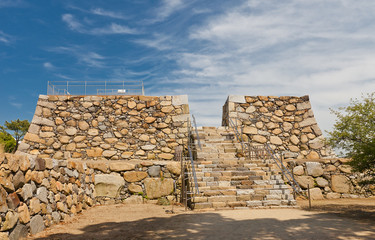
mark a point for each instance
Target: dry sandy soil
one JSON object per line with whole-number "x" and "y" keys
{"x": 334, "y": 219}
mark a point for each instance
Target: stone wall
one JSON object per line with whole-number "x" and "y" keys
{"x": 329, "y": 178}
{"x": 107, "y": 127}
{"x": 286, "y": 123}
{"x": 38, "y": 192}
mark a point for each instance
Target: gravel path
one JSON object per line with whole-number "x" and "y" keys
{"x": 146, "y": 221}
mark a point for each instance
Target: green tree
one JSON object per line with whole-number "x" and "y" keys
{"x": 7, "y": 141}
{"x": 18, "y": 129}
{"x": 354, "y": 134}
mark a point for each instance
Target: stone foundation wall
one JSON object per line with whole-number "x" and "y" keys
{"x": 36, "y": 192}
{"x": 107, "y": 127}
{"x": 330, "y": 178}
{"x": 286, "y": 123}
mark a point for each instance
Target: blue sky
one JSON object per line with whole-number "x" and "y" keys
{"x": 207, "y": 49}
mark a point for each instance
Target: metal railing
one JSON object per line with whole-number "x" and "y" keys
{"x": 110, "y": 87}
{"x": 263, "y": 152}
{"x": 189, "y": 186}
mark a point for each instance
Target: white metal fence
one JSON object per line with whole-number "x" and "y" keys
{"x": 95, "y": 88}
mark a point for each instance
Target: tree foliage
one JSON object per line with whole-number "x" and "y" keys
{"x": 18, "y": 129}
{"x": 354, "y": 134}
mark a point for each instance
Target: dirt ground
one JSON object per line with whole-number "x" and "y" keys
{"x": 328, "y": 219}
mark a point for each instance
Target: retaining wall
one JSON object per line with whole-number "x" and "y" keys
{"x": 107, "y": 127}
{"x": 286, "y": 123}
{"x": 329, "y": 178}
{"x": 38, "y": 192}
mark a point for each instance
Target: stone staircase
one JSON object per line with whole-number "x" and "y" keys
{"x": 227, "y": 181}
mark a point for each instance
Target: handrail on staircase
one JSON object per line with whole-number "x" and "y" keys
{"x": 285, "y": 171}
{"x": 187, "y": 163}
{"x": 246, "y": 149}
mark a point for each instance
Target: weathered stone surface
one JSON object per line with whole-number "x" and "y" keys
{"x": 93, "y": 132}
{"x": 11, "y": 219}
{"x": 19, "y": 232}
{"x": 276, "y": 140}
{"x": 154, "y": 171}
{"x": 155, "y": 187}
{"x": 41, "y": 194}
{"x": 321, "y": 182}
{"x": 27, "y": 192}
{"x": 294, "y": 139}
{"x": 307, "y": 122}
{"x": 313, "y": 155}
{"x": 134, "y": 188}
{"x": 71, "y": 131}
{"x": 40, "y": 164}
{"x": 148, "y": 147}
{"x": 108, "y": 185}
{"x": 250, "y": 130}
{"x": 314, "y": 169}
{"x": 94, "y": 152}
{"x": 3, "y": 201}
{"x": 19, "y": 180}
{"x": 317, "y": 143}
{"x": 305, "y": 181}
{"x": 36, "y": 224}
{"x": 134, "y": 176}
{"x": 13, "y": 201}
{"x": 236, "y": 98}
{"x": 340, "y": 184}
{"x": 108, "y": 153}
{"x": 298, "y": 170}
{"x": 126, "y": 154}
{"x": 259, "y": 139}
{"x": 134, "y": 200}
{"x": 345, "y": 168}
{"x": 166, "y": 156}
{"x": 316, "y": 194}
{"x": 174, "y": 168}
{"x": 24, "y": 214}
{"x": 121, "y": 166}
{"x": 180, "y": 100}
{"x": 62, "y": 207}
{"x": 33, "y": 138}
{"x": 34, "y": 206}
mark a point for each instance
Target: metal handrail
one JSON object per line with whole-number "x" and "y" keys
{"x": 293, "y": 183}
{"x": 246, "y": 148}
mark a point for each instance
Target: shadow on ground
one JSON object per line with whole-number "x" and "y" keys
{"x": 351, "y": 211}
{"x": 215, "y": 226}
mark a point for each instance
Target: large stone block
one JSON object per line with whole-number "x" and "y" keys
{"x": 121, "y": 166}
{"x": 107, "y": 185}
{"x": 316, "y": 194}
{"x": 340, "y": 184}
{"x": 180, "y": 100}
{"x": 156, "y": 187}
{"x": 237, "y": 98}
{"x": 314, "y": 169}
{"x": 36, "y": 224}
{"x": 135, "y": 176}
{"x": 305, "y": 181}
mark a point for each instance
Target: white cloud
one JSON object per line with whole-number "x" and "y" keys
{"x": 106, "y": 13}
{"x": 5, "y": 38}
{"x": 48, "y": 65}
{"x": 276, "y": 47}
{"x": 158, "y": 41}
{"x": 83, "y": 55}
{"x": 167, "y": 8}
{"x": 72, "y": 22}
{"x": 113, "y": 28}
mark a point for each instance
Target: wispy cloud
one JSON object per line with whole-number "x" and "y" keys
{"x": 167, "y": 8}
{"x": 83, "y": 55}
{"x": 112, "y": 28}
{"x": 106, "y": 13}
{"x": 158, "y": 41}
{"x": 17, "y": 105}
{"x": 280, "y": 48}
{"x": 5, "y": 38}
{"x": 11, "y": 3}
